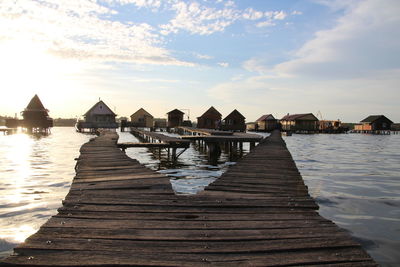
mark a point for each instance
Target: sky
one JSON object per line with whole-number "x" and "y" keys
{"x": 337, "y": 58}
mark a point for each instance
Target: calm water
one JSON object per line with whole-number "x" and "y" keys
{"x": 35, "y": 175}
{"x": 355, "y": 179}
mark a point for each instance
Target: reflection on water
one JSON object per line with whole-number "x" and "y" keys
{"x": 355, "y": 179}
{"x": 191, "y": 172}
{"x": 35, "y": 174}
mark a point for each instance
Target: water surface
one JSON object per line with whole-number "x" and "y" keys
{"x": 35, "y": 175}
{"x": 355, "y": 179}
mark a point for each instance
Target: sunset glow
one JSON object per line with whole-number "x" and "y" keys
{"x": 339, "y": 58}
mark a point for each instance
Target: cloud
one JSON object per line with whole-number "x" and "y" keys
{"x": 201, "y": 56}
{"x": 139, "y": 3}
{"x": 267, "y": 23}
{"x": 352, "y": 68}
{"x": 223, "y": 64}
{"x": 197, "y": 18}
{"x": 271, "y": 18}
{"x": 296, "y": 12}
{"x": 252, "y": 14}
{"x": 84, "y": 30}
{"x": 362, "y": 42}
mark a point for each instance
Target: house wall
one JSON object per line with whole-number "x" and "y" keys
{"x": 300, "y": 125}
{"x": 381, "y": 124}
{"x": 234, "y": 124}
{"x": 211, "y": 121}
{"x": 160, "y": 123}
{"x": 175, "y": 120}
{"x": 100, "y": 109}
{"x": 267, "y": 125}
{"x": 142, "y": 119}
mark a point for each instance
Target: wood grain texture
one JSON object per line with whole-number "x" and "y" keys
{"x": 119, "y": 213}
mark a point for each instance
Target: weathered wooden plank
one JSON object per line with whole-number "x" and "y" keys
{"x": 191, "y": 234}
{"x": 56, "y": 222}
{"x": 119, "y": 213}
{"x": 87, "y": 258}
{"x": 174, "y": 216}
{"x": 253, "y": 246}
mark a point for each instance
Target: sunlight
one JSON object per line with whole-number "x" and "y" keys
{"x": 28, "y": 68}
{"x": 19, "y": 160}
{"x": 17, "y": 234}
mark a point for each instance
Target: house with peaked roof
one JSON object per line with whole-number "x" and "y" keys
{"x": 235, "y": 121}
{"x": 36, "y": 116}
{"x": 142, "y": 118}
{"x": 99, "y": 116}
{"x": 266, "y": 123}
{"x": 211, "y": 119}
{"x": 299, "y": 123}
{"x": 374, "y": 123}
{"x": 175, "y": 118}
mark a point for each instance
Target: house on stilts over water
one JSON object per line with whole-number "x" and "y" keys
{"x": 36, "y": 117}
{"x": 211, "y": 119}
{"x": 235, "y": 121}
{"x": 100, "y": 116}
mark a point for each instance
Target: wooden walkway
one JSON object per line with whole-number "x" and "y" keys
{"x": 257, "y": 213}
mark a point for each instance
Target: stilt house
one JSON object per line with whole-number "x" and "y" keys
{"x": 300, "y": 123}
{"x": 251, "y": 126}
{"x": 235, "y": 121}
{"x": 211, "y": 119}
{"x": 142, "y": 118}
{"x": 98, "y": 116}
{"x": 175, "y": 118}
{"x": 374, "y": 123}
{"x": 160, "y": 123}
{"x": 266, "y": 123}
{"x": 36, "y": 116}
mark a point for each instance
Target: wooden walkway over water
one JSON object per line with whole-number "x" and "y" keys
{"x": 257, "y": 213}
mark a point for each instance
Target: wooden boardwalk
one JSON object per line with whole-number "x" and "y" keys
{"x": 257, "y": 213}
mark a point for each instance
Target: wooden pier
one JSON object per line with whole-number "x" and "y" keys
{"x": 157, "y": 140}
{"x": 215, "y": 139}
{"x": 119, "y": 213}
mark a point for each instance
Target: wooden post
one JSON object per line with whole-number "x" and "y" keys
{"x": 214, "y": 151}
{"x": 174, "y": 154}
{"x": 252, "y": 145}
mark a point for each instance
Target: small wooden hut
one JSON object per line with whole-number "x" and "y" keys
{"x": 235, "y": 121}
{"x": 266, "y": 123}
{"x": 160, "y": 123}
{"x": 211, "y": 119}
{"x": 374, "y": 123}
{"x": 100, "y": 116}
{"x": 175, "y": 118}
{"x": 300, "y": 123}
{"x": 36, "y": 116}
{"x": 142, "y": 118}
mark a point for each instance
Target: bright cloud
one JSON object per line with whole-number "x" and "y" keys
{"x": 204, "y": 20}
{"x": 363, "y": 42}
{"x": 80, "y": 29}
{"x": 352, "y": 68}
{"x": 223, "y": 64}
